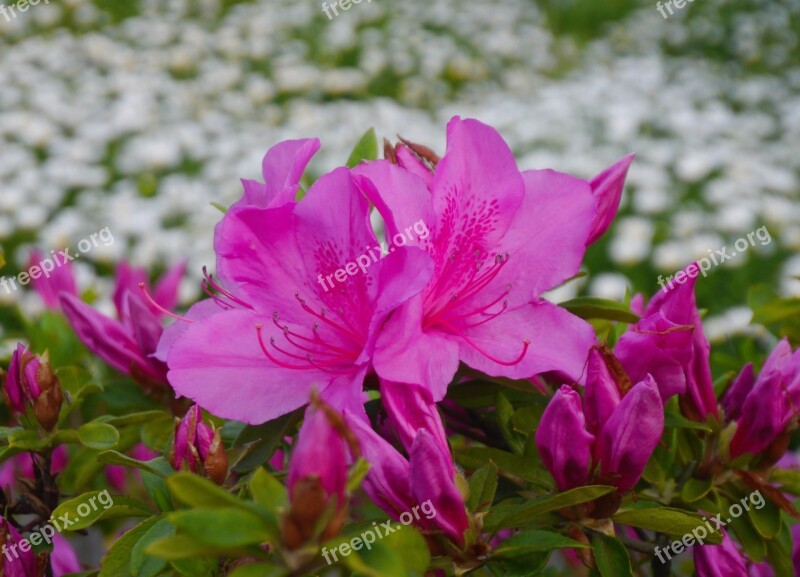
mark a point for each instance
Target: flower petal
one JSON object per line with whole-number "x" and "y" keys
{"x": 219, "y": 364}
{"x": 547, "y": 238}
{"x": 564, "y": 444}
{"x": 432, "y": 482}
{"x": 631, "y": 434}
{"x": 607, "y": 191}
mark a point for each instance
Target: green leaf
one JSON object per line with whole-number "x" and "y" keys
{"x": 535, "y": 541}
{"x": 365, "y": 149}
{"x": 528, "y": 513}
{"x": 138, "y": 418}
{"x": 611, "y": 556}
{"x": 85, "y": 510}
{"x": 508, "y": 463}
{"x": 220, "y": 207}
{"x": 179, "y": 547}
{"x": 779, "y": 552}
{"x": 357, "y": 474}
{"x": 524, "y": 566}
{"x": 117, "y": 458}
{"x": 754, "y": 544}
{"x": 664, "y": 520}
{"x": 695, "y": 489}
{"x": 767, "y": 519}
{"x": 116, "y": 562}
{"x": 268, "y": 491}
{"x": 199, "y": 492}
{"x": 156, "y": 484}
{"x": 789, "y": 480}
{"x": 597, "y": 308}
{"x": 482, "y": 487}
{"x": 207, "y": 566}
{"x": 675, "y": 421}
{"x": 93, "y": 435}
{"x": 504, "y": 411}
{"x": 142, "y": 564}
{"x": 258, "y": 570}
{"x": 228, "y": 527}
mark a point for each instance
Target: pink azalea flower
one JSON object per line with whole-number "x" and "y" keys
{"x": 763, "y": 407}
{"x": 278, "y": 329}
{"x": 317, "y": 478}
{"x": 282, "y": 169}
{"x": 49, "y": 286}
{"x": 428, "y": 476}
{"x": 606, "y": 438}
{"x": 128, "y": 342}
{"x": 668, "y": 342}
{"x": 499, "y": 238}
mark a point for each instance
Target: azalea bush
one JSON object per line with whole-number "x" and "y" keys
{"x": 377, "y": 383}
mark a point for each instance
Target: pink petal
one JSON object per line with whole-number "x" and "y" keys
{"x": 607, "y": 191}
{"x": 564, "y": 444}
{"x": 547, "y": 238}
{"x": 631, "y": 434}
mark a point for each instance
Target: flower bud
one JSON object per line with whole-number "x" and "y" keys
{"x": 317, "y": 477}
{"x": 199, "y": 447}
{"x": 564, "y": 444}
{"x": 630, "y": 435}
{"x": 30, "y": 382}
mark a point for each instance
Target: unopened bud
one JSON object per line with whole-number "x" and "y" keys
{"x": 198, "y": 447}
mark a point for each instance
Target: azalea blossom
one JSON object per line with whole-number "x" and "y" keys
{"x": 499, "y": 239}
{"x": 668, "y": 342}
{"x": 128, "y": 342}
{"x": 397, "y": 484}
{"x": 271, "y": 333}
{"x": 607, "y": 437}
{"x": 763, "y": 407}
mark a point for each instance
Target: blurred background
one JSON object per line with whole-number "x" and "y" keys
{"x": 137, "y": 114}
